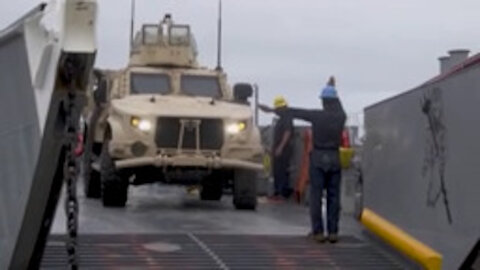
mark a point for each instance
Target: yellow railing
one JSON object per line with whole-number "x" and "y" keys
{"x": 402, "y": 241}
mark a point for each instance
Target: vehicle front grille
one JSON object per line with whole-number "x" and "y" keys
{"x": 170, "y": 129}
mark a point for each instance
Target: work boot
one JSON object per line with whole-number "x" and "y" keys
{"x": 318, "y": 237}
{"x": 333, "y": 238}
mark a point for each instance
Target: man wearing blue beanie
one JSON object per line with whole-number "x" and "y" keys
{"x": 329, "y": 91}
{"x": 325, "y": 169}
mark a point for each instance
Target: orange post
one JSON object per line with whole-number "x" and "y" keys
{"x": 303, "y": 176}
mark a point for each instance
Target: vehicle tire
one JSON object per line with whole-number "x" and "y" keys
{"x": 91, "y": 182}
{"x": 212, "y": 187}
{"x": 114, "y": 184}
{"x": 245, "y": 190}
{"x": 91, "y": 177}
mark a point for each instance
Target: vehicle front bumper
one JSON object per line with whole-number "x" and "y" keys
{"x": 189, "y": 161}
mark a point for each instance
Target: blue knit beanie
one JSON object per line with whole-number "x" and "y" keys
{"x": 329, "y": 92}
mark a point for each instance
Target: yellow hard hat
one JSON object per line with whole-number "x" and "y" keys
{"x": 279, "y": 102}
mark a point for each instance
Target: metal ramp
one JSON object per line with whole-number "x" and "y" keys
{"x": 207, "y": 251}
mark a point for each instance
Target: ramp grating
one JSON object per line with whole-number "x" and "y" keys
{"x": 205, "y": 251}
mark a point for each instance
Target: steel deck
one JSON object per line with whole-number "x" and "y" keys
{"x": 215, "y": 251}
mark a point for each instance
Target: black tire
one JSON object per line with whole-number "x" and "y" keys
{"x": 92, "y": 183}
{"x": 91, "y": 177}
{"x": 92, "y": 151}
{"x": 245, "y": 190}
{"x": 212, "y": 187}
{"x": 114, "y": 184}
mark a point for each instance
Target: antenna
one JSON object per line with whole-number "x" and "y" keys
{"x": 219, "y": 37}
{"x": 132, "y": 24}
{"x": 257, "y": 102}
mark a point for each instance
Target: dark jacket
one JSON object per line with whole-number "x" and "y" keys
{"x": 327, "y": 128}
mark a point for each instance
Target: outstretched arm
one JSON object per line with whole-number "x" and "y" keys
{"x": 304, "y": 114}
{"x": 265, "y": 108}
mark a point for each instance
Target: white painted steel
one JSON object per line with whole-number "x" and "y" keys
{"x": 30, "y": 51}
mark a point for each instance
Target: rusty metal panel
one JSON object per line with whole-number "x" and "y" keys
{"x": 421, "y": 163}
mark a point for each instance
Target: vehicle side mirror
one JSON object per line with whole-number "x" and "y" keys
{"x": 242, "y": 92}
{"x": 100, "y": 88}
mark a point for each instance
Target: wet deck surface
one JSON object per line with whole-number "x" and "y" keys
{"x": 166, "y": 228}
{"x": 207, "y": 251}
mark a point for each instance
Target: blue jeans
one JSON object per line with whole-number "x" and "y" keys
{"x": 320, "y": 180}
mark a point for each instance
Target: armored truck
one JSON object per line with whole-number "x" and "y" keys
{"x": 164, "y": 118}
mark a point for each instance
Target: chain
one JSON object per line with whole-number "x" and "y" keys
{"x": 70, "y": 178}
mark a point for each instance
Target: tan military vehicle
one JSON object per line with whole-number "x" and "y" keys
{"x": 164, "y": 118}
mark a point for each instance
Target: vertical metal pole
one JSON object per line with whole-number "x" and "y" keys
{"x": 132, "y": 24}
{"x": 219, "y": 36}
{"x": 257, "y": 100}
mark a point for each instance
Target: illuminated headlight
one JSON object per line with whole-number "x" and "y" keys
{"x": 235, "y": 128}
{"x": 141, "y": 124}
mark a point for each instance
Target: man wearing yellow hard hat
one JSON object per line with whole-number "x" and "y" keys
{"x": 282, "y": 150}
{"x": 325, "y": 167}
{"x": 279, "y": 102}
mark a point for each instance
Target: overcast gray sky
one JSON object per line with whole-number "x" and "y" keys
{"x": 375, "y": 48}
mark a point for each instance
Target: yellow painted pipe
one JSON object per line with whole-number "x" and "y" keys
{"x": 402, "y": 241}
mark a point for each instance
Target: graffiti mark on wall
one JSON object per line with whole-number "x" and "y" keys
{"x": 435, "y": 151}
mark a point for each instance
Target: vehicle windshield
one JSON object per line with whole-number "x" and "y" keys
{"x": 147, "y": 83}
{"x": 150, "y": 34}
{"x": 205, "y": 86}
{"x": 179, "y": 35}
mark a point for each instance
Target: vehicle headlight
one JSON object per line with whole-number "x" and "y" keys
{"x": 237, "y": 127}
{"x": 141, "y": 124}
